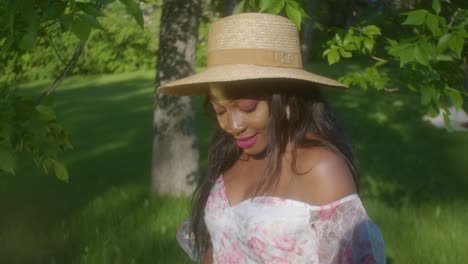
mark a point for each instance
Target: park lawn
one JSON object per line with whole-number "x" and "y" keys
{"x": 413, "y": 179}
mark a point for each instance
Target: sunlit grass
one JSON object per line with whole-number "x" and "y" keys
{"x": 414, "y": 179}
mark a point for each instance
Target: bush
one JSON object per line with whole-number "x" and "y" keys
{"x": 123, "y": 47}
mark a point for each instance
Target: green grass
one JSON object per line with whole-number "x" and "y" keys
{"x": 413, "y": 180}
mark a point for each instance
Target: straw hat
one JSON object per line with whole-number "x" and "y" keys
{"x": 249, "y": 46}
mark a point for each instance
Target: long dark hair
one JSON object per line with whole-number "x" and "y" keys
{"x": 309, "y": 114}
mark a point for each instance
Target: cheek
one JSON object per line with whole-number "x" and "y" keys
{"x": 260, "y": 117}
{"x": 221, "y": 122}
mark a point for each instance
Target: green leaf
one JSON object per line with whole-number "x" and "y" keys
{"x": 28, "y": 41}
{"x": 372, "y": 30}
{"x": 436, "y": 6}
{"x": 265, "y": 4}
{"x": 81, "y": 28}
{"x": 442, "y": 23}
{"x": 46, "y": 113}
{"x": 293, "y": 4}
{"x": 429, "y": 48}
{"x": 294, "y": 15}
{"x": 90, "y": 8}
{"x": 417, "y": 17}
{"x": 405, "y": 52}
{"x": 338, "y": 40}
{"x": 134, "y": 9}
{"x": 54, "y": 10}
{"x": 447, "y": 121}
{"x": 345, "y": 54}
{"x": 427, "y": 93}
{"x": 456, "y": 44}
{"x": 369, "y": 45}
{"x": 455, "y": 97}
{"x": 272, "y": 6}
{"x": 66, "y": 22}
{"x": 432, "y": 22}
{"x": 60, "y": 171}
{"x": 92, "y": 21}
{"x": 431, "y": 111}
{"x": 348, "y": 39}
{"x": 239, "y": 8}
{"x": 7, "y": 161}
{"x": 392, "y": 42}
{"x": 333, "y": 57}
{"x": 420, "y": 55}
{"x": 357, "y": 41}
{"x": 443, "y": 43}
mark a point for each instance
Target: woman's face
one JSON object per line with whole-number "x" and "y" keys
{"x": 243, "y": 117}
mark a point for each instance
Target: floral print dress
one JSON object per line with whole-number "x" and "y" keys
{"x": 269, "y": 229}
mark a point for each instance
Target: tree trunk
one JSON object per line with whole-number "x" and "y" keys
{"x": 175, "y": 148}
{"x": 228, "y": 7}
{"x": 307, "y": 32}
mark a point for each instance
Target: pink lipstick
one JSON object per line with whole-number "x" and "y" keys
{"x": 246, "y": 142}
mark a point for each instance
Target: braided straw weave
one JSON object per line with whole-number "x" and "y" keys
{"x": 251, "y": 46}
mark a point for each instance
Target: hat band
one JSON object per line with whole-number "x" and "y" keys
{"x": 260, "y": 57}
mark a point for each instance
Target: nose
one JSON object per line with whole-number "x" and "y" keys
{"x": 235, "y": 124}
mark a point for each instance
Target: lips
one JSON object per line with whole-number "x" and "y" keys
{"x": 246, "y": 142}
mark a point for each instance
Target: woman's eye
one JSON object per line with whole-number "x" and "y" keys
{"x": 218, "y": 110}
{"x": 248, "y": 106}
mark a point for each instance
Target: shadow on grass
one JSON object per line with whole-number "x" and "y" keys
{"x": 111, "y": 126}
{"x": 401, "y": 158}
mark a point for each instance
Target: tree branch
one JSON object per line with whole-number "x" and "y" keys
{"x": 65, "y": 71}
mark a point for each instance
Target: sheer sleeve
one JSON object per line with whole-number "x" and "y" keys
{"x": 186, "y": 239}
{"x": 346, "y": 234}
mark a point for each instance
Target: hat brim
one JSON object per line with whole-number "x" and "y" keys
{"x": 198, "y": 84}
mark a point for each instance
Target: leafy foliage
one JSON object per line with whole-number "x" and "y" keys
{"x": 430, "y": 61}
{"x": 291, "y": 8}
{"x": 26, "y": 125}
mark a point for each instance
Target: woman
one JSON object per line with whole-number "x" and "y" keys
{"x": 282, "y": 185}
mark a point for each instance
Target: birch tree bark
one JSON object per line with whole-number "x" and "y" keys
{"x": 175, "y": 150}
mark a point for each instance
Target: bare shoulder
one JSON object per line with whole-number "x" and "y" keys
{"x": 327, "y": 179}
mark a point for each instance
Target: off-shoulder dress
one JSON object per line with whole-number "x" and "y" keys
{"x": 268, "y": 229}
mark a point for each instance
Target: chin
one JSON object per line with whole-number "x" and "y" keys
{"x": 256, "y": 150}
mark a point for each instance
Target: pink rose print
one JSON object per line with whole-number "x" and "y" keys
{"x": 326, "y": 212}
{"x": 285, "y": 243}
{"x": 278, "y": 260}
{"x": 232, "y": 255}
{"x": 260, "y": 230}
{"x": 211, "y": 201}
{"x": 222, "y": 194}
{"x": 225, "y": 239}
{"x": 256, "y": 246}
